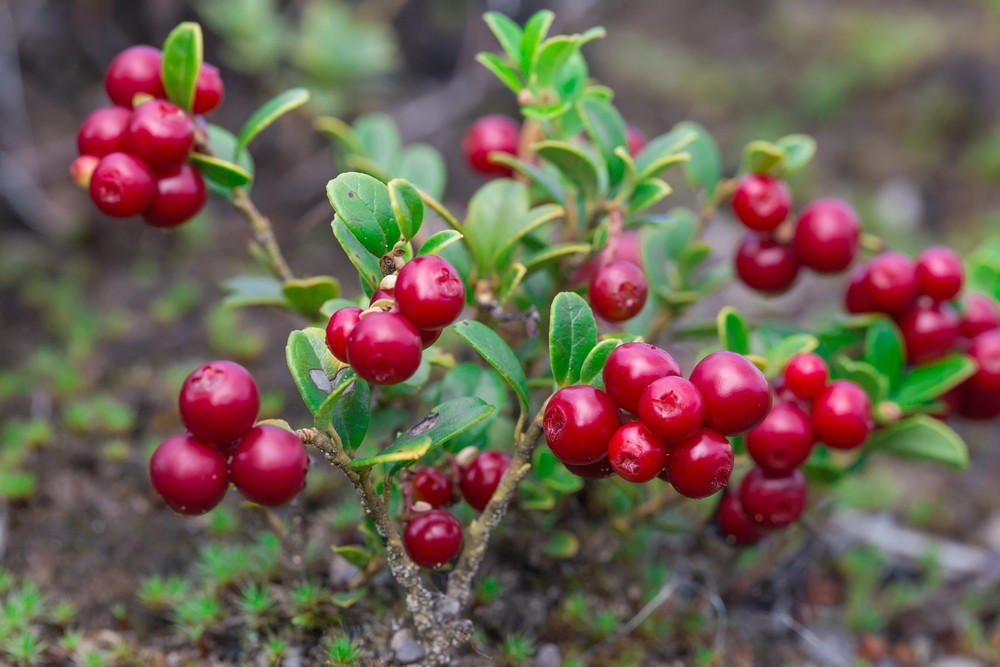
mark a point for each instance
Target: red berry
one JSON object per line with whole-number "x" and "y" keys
{"x": 636, "y": 454}
{"x": 339, "y": 329}
{"x": 188, "y": 474}
{"x": 122, "y": 185}
{"x": 733, "y": 523}
{"x": 701, "y": 465}
{"x": 806, "y": 375}
{"x": 385, "y": 295}
{"x": 160, "y": 134}
{"x": 857, "y": 299}
{"x": 135, "y": 70}
{"x": 972, "y": 403}
{"x": 482, "y": 477}
{"x": 209, "y": 90}
{"x": 384, "y": 348}
{"x": 618, "y": 291}
{"x": 773, "y": 501}
{"x": 635, "y": 139}
{"x": 432, "y": 538}
{"x": 432, "y": 486}
{"x": 783, "y": 441}
{"x": 737, "y": 396}
{"x": 269, "y": 466}
{"x": 219, "y": 402}
{"x": 627, "y": 249}
{"x": 842, "y": 415}
{"x": 597, "y": 470}
{"x": 891, "y": 282}
{"x": 766, "y": 265}
{"x": 929, "y": 331}
{"x": 631, "y": 368}
{"x": 103, "y": 131}
{"x": 940, "y": 273}
{"x": 762, "y": 202}
{"x": 827, "y": 236}
{"x": 488, "y": 134}
{"x": 179, "y": 196}
{"x": 980, "y": 313}
{"x": 672, "y": 408}
{"x": 578, "y": 424}
{"x": 429, "y": 292}
{"x": 985, "y": 351}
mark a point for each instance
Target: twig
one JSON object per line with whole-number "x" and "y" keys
{"x": 263, "y": 233}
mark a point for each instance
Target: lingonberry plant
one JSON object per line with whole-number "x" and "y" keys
{"x": 448, "y": 326}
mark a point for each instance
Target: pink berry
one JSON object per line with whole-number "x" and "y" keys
{"x": 891, "y": 282}
{"x": 161, "y": 134}
{"x": 985, "y": 351}
{"x": 635, "y": 140}
{"x": 339, "y": 329}
{"x": 209, "y": 90}
{"x": 980, "y": 313}
{"x": 940, "y": 273}
{"x": 929, "y": 330}
{"x": 842, "y": 415}
{"x": 806, "y": 375}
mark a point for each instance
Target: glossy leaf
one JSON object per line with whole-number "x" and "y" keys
{"x": 182, "y": 56}
{"x": 555, "y": 252}
{"x": 592, "y": 371}
{"x": 308, "y": 295}
{"x": 665, "y": 150}
{"x": 311, "y": 365}
{"x": 535, "y": 218}
{"x": 508, "y": 76}
{"x": 572, "y": 335}
{"x": 253, "y": 291}
{"x": 379, "y": 137}
{"x": 407, "y": 206}
{"x": 582, "y": 170}
{"x": 340, "y": 132}
{"x": 362, "y": 203}
{"x": 220, "y": 171}
{"x": 346, "y": 410}
{"x": 545, "y": 180}
{"x": 423, "y": 166}
{"x": 536, "y": 29}
{"x": 869, "y": 378}
{"x": 734, "y": 335}
{"x": 356, "y": 555}
{"x": 798, "y": 149}
{"x": 930, "y": 381}
{"x": 222, "y": 144}
{"x": 493, "y": 212}
{"x": 884, "y": 349}
{"x": 779, "y": 353}
{"x": 439, "y": 241}
{"x": 606, "y": 129}
{"x": 366, "y": 263}
{"x": 497, "y": 354}
{"x": 704, "y": 169}
{"x": 510, "y": 279}
{"x": 763, "y": 157}
{"x": 533, "y": 495}
{"x": 921, "y": 437}
{"x": 271, "y": 111}
{"x": 647, "y": 193}
{"x": 508, "y": 34}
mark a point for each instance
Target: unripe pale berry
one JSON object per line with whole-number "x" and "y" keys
{"x": 269, "y": 465}
{"x": 635, "y": 140}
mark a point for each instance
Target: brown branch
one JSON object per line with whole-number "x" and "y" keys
{"x": 263, "y": 234}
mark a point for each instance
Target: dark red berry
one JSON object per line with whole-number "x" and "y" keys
{"x": 672, "y": 408}
{"x": 761, "y": 202}
{"x": 766, "y": 265}
{"x": 188, "y": 474}
{"x": 269, "y": 466}
{"x": 929, "y": 331}
{"x": 773, "y": 501}
{"x": 432, "y": 538}
{"x": 985, "y": 351}
{"x": 626, "y": 249}
{"x": 635, "y": 139}
{"x": 827, "y": 236}
{"x": 384, "y": 348}
{"x": 122, "y": 185}
{"x": 700, "y": 465}
{"x": 160, "y": 134}
{"x": 940, "y": 273}
{"x": 973, "y": 403}
{"x": 857, "y": 299}
{"x": 891, "y": 282}
{"x": 339, "y": 329}
{"x": 631, "y": 368}
{"x": 103, "y": 131}
{"x": 842, "y": 415}
{"x": 135, "y": 70}
{"x": 733, "y": 524}
{"x": 432, "y": 486}
{"x": 429, "y": 292}
{"x": 618, "y": 291}
{"x": 806, "y": 375}
{"x": 783, "y": 441}
{"x": 636, "y": 454}
{"x": 219, "y": 402}
{"x": 488, "y": 134}
{"x": 482, "y": 477}
{"x": 209, "y": 90}
{"x": 179, "y": 196}
{"x": 737, "y": 395}
{"x": 578, "y": 424}
{"x": 598, "y": 470}
{"x": 980, "y": 313}
{"x": 428, "y": 338}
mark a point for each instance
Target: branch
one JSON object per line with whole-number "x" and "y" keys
{"x": 263, "y": 234}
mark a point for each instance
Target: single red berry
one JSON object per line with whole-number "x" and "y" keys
{"x": 929, "y": 330}
{"x": 180, "y": 194}
{"x": 122, "y": 185}
{"x": 701, "y": 465}
{"x": 940, "y": 273}
{"x": 384, "y": 348}
{"x": 81, "y": 170}
{"x": 631, "y": 368}
{"x": 482, "y": 477}
{"x": 597, "y": 470}
{"x": 806, "y": 375}
{"x": 827, "y": 236}
{"x": 269, "y": 465}
{"x": 428, "y": 338}
{"x": 188, "y": 474}
{"x": 135, "y": 70}
{"x": 160, "y": 134}
{"x": 636, "y": 454}
{"x": 626, "y": 249}
{"x": 980, "y": 313}
{"x": 432, "y": 538}
{"x": 733, "y": 524}
{"x": 773, "y": 501}
{"x": 766, "y": 265}
{"x": 842, "y": 415}
{"x": 219, "y": 402}
{"x": 618, "y": 291}
{"x": 672, "y": 408}
{"x": 103, "y": 131}
{"x": 857, "y": 299}
{"x": 209, "y": 90}
{"x": 429, "y": 292}
{"x": 985, "y": 351}
{"x": 781, "y": 392}
{"x": 783, "y": 441}
{"x": 432, "y": 486}
{"x": 578, "y": 424}
{"x": 488, "y": 134}
{"x": 973, "y": 403}
{"x": 635, "y": 140}
{"x": 891, "y": 282}
{"x": 737, "y": 396}
{"x": 339, "y": 329}
{"x": 761, "y": 202}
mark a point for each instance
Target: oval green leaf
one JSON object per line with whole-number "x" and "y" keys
{"x": 366, "y": 263}
{"x": 220, "y": 171}
{"x": 931, "y": 381}
{"x": 346, "y": 410}
{"x": 884, "y": 349}
{"x": 308, "y": 295}
{"x": 271, "y": 111}
{"x": 363, "y": 203}
{"x": 311, "y": 365}
{"x": 734, "y": 335}
{"x": 592, "y": 371}
{"x": 572, "y": 335}
{"x": 439, "y": 241}
{"x": 922, "y": 437}
{"x": 182, "y": 55}
{"x": 407, "y": 206}
{"x": 497, "y": 354}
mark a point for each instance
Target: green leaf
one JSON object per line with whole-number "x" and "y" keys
{"x": 884, "y": 349}
{"x": 583, "y": 170}
{"x": 533, "y": 495}
{"x": 535, "y": 218}
{"x": 555, "y": 252}
{"x": 497, "y": 354}
{"x": 509, "y": 76}
{"x": 798, "y": 149}
{"x": 648, "y": 193}
{"x": 704, "y": 169}
{"x": 592, "y": 371}
{"x": 253, "y": 291}
{"x": 606, "y": 129}
{"x": 779, "y": 353}
{"x": 471, "y": 379}
{"x": 362, "y": 203}
{"x": 510, "y": 279}
{"x": 271, "y": 111}
{"x": 222, "y": 144}
{"x": 423, "y": 166}
{"x": 507, "y": 32}
{"x": 665, "y": 150}
{"x": 311, "y": 365}
{"x": 347, "y": 599}
{"x": 407, "y": 206}
{"x": 548, "y": 182}
{"x": 439, "y": 241}
{"x": 930, "y": 381}
{"x": 921, "y": 437}
{"x": 869, "y": 378}
{"x": 379, "y": 136}
{"x": 553, "y": 54}
{"x": 535, "y": 31}
{"x": 493, "y": 212}
{"x": 763, "y": 157}
{"x": 220, "y": 171}
{"x": 734, "y": 335}
{"x": 182, "y": 54}
{"x": 366, "y": 263}
{"x": 353, "y": 554}
{"x": 572, "y": 335}
{"x": 346, "y": 410}
{"x": 562, "y": 544}
{"x": 308, "y": 295}
{"x": 340, "y": 132}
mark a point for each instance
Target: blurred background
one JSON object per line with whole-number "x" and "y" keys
{"x": 101, "y": 319}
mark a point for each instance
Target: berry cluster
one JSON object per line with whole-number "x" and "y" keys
{"x": 192, "y": 472}
{"x": 674, "y": 428}
{"x": 134, "y": 160}
{"x": 826, "y": 236}
{"x": 406, "y": 315}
